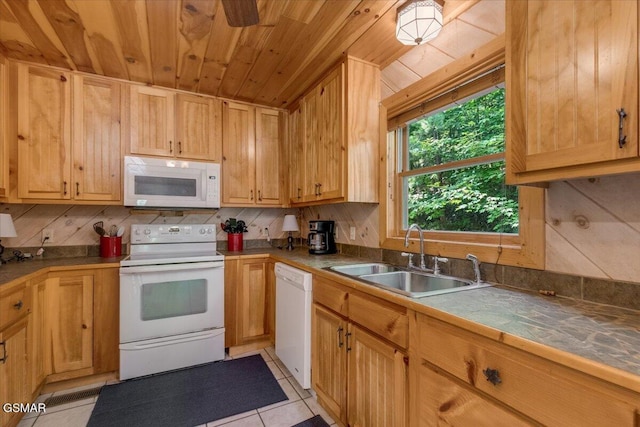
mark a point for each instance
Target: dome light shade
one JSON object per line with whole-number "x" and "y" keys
{"x": 419, "y": 21}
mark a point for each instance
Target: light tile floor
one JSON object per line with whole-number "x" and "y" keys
{"x": 300, "y": 406}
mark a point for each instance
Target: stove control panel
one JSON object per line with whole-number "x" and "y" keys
{"x": 172, "y": 233}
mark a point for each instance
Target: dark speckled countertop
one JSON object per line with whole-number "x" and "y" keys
{"x": 604, "y": 334}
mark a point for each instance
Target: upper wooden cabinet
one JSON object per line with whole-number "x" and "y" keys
{"x": 167, "y": 124}
{"x": 338, "y": 132}
{"x": 44, "y": 133}
{"x": 571, "y": 66}
{"x": 251, "y": 159}
{"x": 97, "y": 153}
{"x": 61, "y": 157}
{"x": 4, "y": 163}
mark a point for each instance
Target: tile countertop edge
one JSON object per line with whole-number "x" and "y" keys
{"x": 593, "y": 368}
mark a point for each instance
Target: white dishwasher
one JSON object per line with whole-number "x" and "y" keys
{"x": 293, "y": 321}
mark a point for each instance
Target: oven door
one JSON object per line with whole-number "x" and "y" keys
{"x": 165, "y": 300}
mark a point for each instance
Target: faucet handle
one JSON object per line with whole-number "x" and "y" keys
{"x": 436, "y": 263}
{"x": 410, "y": 256}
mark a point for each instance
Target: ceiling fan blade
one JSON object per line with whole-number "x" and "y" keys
{"x": 241, "y": 13}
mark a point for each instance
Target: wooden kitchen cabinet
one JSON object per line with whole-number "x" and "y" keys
{"x": 249, "y": 301}
{"x": 67, "y": 158}
{"x": 44, "y": 133}
{"x": 14, "y": 375}
{"x": 251, "y": 156}
{"x": 38, "y": 334}
{"x": 106, "y": 320}
{"x": 295, "y": 152}
{"x": 565, "y": 83}
{"x": 530, "y": 388}
{"x": 15, "y": 382}
{"x": 69, "y": 297}
{"x": 4, "y": 159}
{"x": 339, "y": 121}
{"x": 359, "y": 364}
{"x": 167, "y": 124}
{"x": 97, "y": 148}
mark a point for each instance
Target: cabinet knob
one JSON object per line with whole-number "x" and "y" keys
{"x": 64, "y": 188}
{"x": 339, "y": 331}
{"x": 84, "y": 326}
{"x": 3, "y": 359}
{"x": 179, "y": 147}
{"x": 347, "y": 335}
{"x": 77, "y": 188}
{"x": 170, "y": 147}
{"x": 251, "y": 195}
{"x": 18, "y": 305}
{"x": 492, "y": 375}
{"x": 259, "y": 196}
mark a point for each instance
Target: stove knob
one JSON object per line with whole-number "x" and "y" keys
{"x": 209, "y": 230}
{"x": 137, "y": 232}
{"x": 202, "y": 231}
{"x": 147, "y": 231}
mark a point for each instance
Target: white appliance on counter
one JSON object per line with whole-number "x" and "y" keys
{"x": 171, "y": 299}
{"x": 155, "y": 183}
{"x": 293, "y": 321}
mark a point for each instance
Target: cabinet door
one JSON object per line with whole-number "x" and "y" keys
{"x": 441, "y": 401}
{"x": 331, "y": 151}
{"x": 152, "y": 121}
{"x": 574, "y": 64}
{"x": 44, "y": 139}
{"x": 97, "y": 153}
{"x": 198, "y": 128}
{"x": 37, "y": 335}
{"x": 106, "y": 315}
{"x": 238, "y": 154}
{"x": 269, "y": 182}
{"x": 69, "y": 319}
{"x": 4, "y": 98}
{"x": 311, "y": 134}
{"x": 14, "y": 375}
{"x": 254, "y": 301}
{"x": 377, "y": 381}
{"x": 329, "y": 361}
{"x": 296, "y": 156}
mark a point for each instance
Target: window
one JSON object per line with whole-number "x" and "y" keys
{"x": 445, "y": 168}
{"x": 454, "y": 168}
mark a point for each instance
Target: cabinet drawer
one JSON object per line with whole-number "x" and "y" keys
{"x": 386, "y": 319}
{"x": 545, "y": 391}
{"x": 14, "y": 304}
{"x": 331, "y": 295}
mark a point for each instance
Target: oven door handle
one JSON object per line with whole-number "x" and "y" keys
{"x": 170, "y": 267}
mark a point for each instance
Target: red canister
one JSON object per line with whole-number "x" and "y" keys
{"x": 110, "y": 247}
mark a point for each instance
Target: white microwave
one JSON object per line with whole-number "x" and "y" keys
{"x": 170, "y": 183}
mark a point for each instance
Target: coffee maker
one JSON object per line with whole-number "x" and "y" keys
{"x": 321, "y": 239}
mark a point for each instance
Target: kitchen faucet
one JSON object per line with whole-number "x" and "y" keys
{"x": 436, "y": 263}
{"x": 423, "y": 266}
{"x": 476, "y": 266}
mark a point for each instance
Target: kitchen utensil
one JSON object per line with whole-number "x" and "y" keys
{"x": 113, "y": 230}
{"x": 120, "y": 231}
{"x": 97, "y": 227}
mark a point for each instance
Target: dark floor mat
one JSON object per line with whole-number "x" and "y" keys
{"x": 189, "y": 397}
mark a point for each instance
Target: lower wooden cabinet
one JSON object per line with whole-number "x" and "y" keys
{"x": 359, "y": 377}
{"x": 69, "y": 316}
{"x": 249, "y": 301}
{"x": 459, "y": 371}
{"x": 37, "y": 334}
{"x": 14, "y": 372}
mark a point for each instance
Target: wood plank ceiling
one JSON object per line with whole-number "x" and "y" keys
{"x": 188, "y": 45}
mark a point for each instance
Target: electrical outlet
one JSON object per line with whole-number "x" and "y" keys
{"x": 352, "y": 233}
{"x": 47, "y": 235}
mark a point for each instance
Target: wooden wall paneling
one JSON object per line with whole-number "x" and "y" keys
{"x": 368, "y": 11}
{"x": 24, "y": 13}
{"x": 193, "y": 38}
{"x": 15, "y": 41}
{"x": 329, "y": 19}
{"x": 101, "y": 29}
{"x": 68, "y": 26}
{"x": 162, "y": 16}
{"x": 131, "y": 18}
{"x": 222, "y": 44}
{"x": 283, "y": 38}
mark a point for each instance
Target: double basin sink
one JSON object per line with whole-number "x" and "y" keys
{"x": 412, "y": 283}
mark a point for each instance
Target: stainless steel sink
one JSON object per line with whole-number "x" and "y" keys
{"x": 416, "y": 284}
{"x": 363, "y": 269}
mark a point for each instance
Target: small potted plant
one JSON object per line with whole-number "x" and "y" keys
{"x": 234, "y": 229}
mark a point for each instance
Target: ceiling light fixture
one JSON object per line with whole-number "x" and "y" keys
{"x": 419, "y": 21}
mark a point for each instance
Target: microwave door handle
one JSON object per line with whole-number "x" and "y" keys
{"x": 170, "y": 267}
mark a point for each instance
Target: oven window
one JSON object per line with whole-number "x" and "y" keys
{"x": 165, "y": 186}
{"x": 163, "y": 300}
